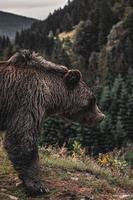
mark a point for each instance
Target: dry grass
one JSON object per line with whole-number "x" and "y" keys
{"x": 68, "y": 178}
{"x": 89, "y": 166}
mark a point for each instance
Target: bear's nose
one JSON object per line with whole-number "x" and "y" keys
{"x": 100, "y": 117}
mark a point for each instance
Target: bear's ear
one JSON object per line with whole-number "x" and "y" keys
{"x": 72, "y": 78}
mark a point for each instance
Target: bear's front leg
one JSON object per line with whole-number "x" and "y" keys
{"x": 21, "y": 145}
{"x": 30, "y": 176}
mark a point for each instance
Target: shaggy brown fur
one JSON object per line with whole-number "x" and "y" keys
{"x": 31, "y": 89}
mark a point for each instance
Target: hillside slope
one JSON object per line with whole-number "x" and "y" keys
{"x": 67, "y": 179}
{"x": 10, "y": 23}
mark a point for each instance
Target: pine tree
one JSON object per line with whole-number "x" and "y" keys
{"x": 129, "y": 127}
{"x": 17, "y": 38}
{"x": 120, "y": 133}
{"x": 115, "y": 99}
{"x": 128, "y": 23}
{"x": 105, "y": 21}
{"x": 50, "y": 43}
{"x": 122, "y": 114}
{"x": 86, "y": 40}
{"x": 66, "y": 22}
{"x": 105, "y": 99}
{"x": 106, "y": 138}
{"x": 129, "y": 80}
{"x": 129, "y": 52}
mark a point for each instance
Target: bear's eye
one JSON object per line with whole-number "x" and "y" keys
{"x": 92, "y": 101}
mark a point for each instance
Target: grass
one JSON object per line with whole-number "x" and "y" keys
{"x": 89, "y": 166}
{"x": 68, "y": 178}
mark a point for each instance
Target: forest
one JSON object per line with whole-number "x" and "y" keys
{"x": 95, "y": 37}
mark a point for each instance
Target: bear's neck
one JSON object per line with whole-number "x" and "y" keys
{"x": 61, "y": 100}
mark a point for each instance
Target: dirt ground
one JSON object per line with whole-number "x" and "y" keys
{"x": 63, "y": 185}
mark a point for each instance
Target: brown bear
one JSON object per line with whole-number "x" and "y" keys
{"x": 31, "y": 89}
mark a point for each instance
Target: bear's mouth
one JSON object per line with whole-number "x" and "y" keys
{"x": 96, "y": 120}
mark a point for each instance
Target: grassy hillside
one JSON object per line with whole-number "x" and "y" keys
{"x": 10, "y": 23}
{"x": 69, "y": 178}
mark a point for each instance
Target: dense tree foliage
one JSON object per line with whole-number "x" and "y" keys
{"x": 5, "y": 47}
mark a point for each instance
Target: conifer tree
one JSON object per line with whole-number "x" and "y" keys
{"x": 115, "y": 99}
{"x": 106, "y": 138}
{"x": 105, "y": 99}
{"x": 67, "y": 22}
{"x": 86, "y": 40}
{"x": 105, "y": 21}
{"x": 16, "y": 42}
{"x": 122, "y": 114}
{"x": 119, "y": 134}
{"x": 129, "y": 127}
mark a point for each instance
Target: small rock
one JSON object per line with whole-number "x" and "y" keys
{"x": 122, "y": 196}
{"x": 3, "y": 190}
{"x": 19, "y": 184}
{"x": 13, "y": 197}
{"x": 74, "y": 178}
